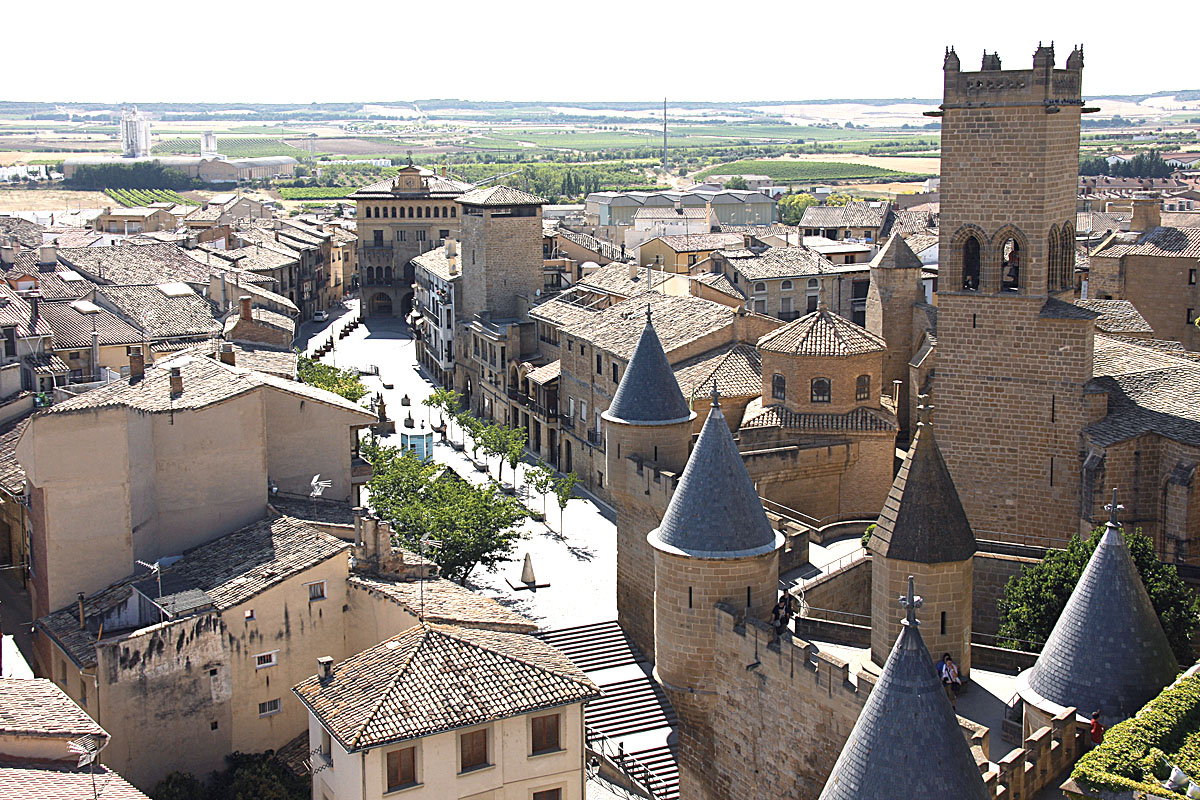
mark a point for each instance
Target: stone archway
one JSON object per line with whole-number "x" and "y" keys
{"x": 381, "y": 305}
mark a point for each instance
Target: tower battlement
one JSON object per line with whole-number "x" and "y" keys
{"x": 991, "y": 85}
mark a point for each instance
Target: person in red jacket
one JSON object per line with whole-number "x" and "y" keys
{"x": 1097, "y": 729}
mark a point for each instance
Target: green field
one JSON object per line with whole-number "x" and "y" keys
{"x": 803, "y": 171}
{"x": 144, "y": 197}
{"x": 234, "y": 147}
{"x": 786, "y": 133}
{"x": 315, "y": 192}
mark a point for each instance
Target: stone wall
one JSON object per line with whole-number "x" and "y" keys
{"x": 781, "y": 714}
{"x": 992, "y": 572}
{"x": 846, "y": 590}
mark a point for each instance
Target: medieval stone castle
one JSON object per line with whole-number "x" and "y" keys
{"x": 699, "y": 558}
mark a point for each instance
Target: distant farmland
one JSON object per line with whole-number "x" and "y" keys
{"x": 805, "y": 171}
{"x": 232, "y": 146}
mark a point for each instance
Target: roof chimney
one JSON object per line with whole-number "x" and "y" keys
{"x": 176, "y": 381}
{"x": 1147, "y": 212}
{"x": 324, "y": 667}
{"x": 8, "y": 253}
{"x": 34, "y": 299}
{"x": 47, "y": 255}
{"x": 82, "y": 619}
{"x": 358, "y": 512}
{"x": 137, "y": 363}
{"x": 227, "y": 355}
{"x": 246, "y": 313}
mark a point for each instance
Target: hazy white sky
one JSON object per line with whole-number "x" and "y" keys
{"x": 366, "y": 50}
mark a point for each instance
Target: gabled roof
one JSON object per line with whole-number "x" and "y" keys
{"x": 444, "y": 602}
{"x": 736, "y": 369}
{"x": 214, "y": 576}
{"x": 923, "y": 519}
{"x": 1116, "y": 316}
{"x": 500, "y": 195}
{"x": 906, "y": 741}
{"x": 896, "y": 254}
{"x": 1162, "y": 242}
{"x": 163, "y": 313}
{"x": 715, "y": 511}
{"x": 37, "y": 707}
{"x": 648, "y": 392}
{"x": 821, "y": 333}
{"x": 141, "y": 265}
{"x": 778, "y": 262}
{"x": 614, "y": 279}
{"x": 73, "y": 328}
{"x": 32, "y": 780}
{"x": 1108, "y": 651}
{"x": 691, "y": 318}
{"x": 435, "y": 678}
{"x": 681, "y": 243}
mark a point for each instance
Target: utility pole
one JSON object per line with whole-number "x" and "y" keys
{"x": 664, "y": 134}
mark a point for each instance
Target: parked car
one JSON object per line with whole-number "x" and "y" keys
{"x": 321, "y": 316}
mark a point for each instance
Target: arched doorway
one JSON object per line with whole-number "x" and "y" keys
{"x": 381, "y": 305}
{"x": 406, "y": 305}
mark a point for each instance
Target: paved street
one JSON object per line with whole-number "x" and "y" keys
{"x": 576, "y": 556}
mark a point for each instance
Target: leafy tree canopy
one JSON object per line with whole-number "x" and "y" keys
{"x": 1034, "y": 600}
{"x": 247, "y": 775}
{"x": 344, "y": 382}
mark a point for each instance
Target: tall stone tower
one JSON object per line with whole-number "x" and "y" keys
{"x": 923, "y": 532}
{"x": 714, "y": 545}
{"x": 648, "y": 430}
{"x": 895, "y": 290}
{"x": 501, "y": 251}
{"x": 1012, "y": 360}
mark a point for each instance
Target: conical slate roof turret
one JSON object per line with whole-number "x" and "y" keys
{"x": 896, "y": 254}
{"x": 922, "y": 519}
{"x": 715, "y": 511}
{"x": 907, "y": 740}
{"x": 648, "y": 393}
{"x": 1108, "y": 651}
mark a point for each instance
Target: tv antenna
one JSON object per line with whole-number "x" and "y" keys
{"x": 158, "y": 576}
{"x": 318, "y": 486}
{"x": 422, "y": 543}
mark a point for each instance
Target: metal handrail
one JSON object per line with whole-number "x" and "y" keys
{"x": 623, "y": 762}
{"x": 844, "y": 561}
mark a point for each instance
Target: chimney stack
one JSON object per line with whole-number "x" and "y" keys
{"x": 82, "y": 619}
{"x": 8, "y": 252}
{"x": 358, "y": 511}
{"x": 383, "y": 540}
{"x": 137, "y": 363}
{"x": 246, "y": 313}
{"x": 34, "y": 299}
{"x": 1147, "y": 212}
{"x": 227, "y": 355}
{"x": 47, "y": 255}
{"x": 176, "y": 381}
{"x": 324, "y": 667}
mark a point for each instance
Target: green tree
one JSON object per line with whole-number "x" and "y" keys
{"x": 505, "y": 443}
{"x": 397, "y": 477}
{"x": 737, "y": 182}
{"x": 447, "y": 401}
{"x": 1034, "y": 599}
{"x": 179, "y": 786}
{"x": 541, "y": 478}
{"x": 563, "y": 488}
{"x": 791, "y": 207}
{"x": 476, "y": 429}
{"x": 344, "y": 382}
{"x": 247, "y": 776}
{"x": 475, "y": 526}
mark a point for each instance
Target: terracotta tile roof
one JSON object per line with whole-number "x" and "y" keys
{"x": 860, "y": 214}
{"x": 163, "y": 313}
{"x": 135, "y": 266}
{"x": 718, "y": 281}
{"x": 1150, "y": 390}
{"x": 445, "y": 602}
{"x": 823, "y": 217}
{"x": 500, "y": 195}
{"x": 700, "y": 241}
{"x": 37, "y": 707}
{"x": 1181, "y": 219}
{"x": 12, "y": 474}
{"x": 16, "y": 312}
{"x": 618, "y": 327}
{"x": 614, "y": 279}
{"x": 434, "y": 678}
{"x": 1057, "y": 309}
{"x": 435, "y": 261}
{"x": 27, "y": 234}
{"x": 780, "y": 262}
{"x": 821, "y": 333}
{"x": 1099, "y": 221}
{"x": 46, "y": 364}
{"x": 63, "y": 284}
{"x": 1116, "y": 316}
{"x": 205, "y": 381}
{"x": 918, "y": 242}
{"x": 545, "y": 373}
{"x": 736, "y": 368}
{"x": 606, "y": 250}
{"x": 909, "y": 222}
{"x": 564, "y": 309}
{"x": 263, "y": 316}
{"x": 45, "y": 780}
{"x": 778, "y": 416}
{"x": 214, "y": 576}
{"x": 258, "y": 357}
{"x": 1162, "y": 242}
{"x": 73, "y": 328}
{"x": 431, "y": 185}
{"x": 670, "y": 212}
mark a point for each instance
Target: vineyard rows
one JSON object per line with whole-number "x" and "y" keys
{"x": 315, "y": 192}
{"x": 232, "y": 146}
{"x": 144, "y": 197}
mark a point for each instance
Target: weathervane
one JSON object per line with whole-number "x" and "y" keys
{"x": 911, "y": 603}
{"x": 716, "y": 396}
{"x": 1112, "y": 509}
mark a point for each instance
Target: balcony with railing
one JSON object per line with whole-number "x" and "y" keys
{"x": 595, "y": 437}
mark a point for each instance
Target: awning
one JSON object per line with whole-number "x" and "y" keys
{"x": 545, "y": 374}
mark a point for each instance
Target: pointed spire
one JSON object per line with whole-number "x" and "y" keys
{"x": 896, "y": 254}
{"x": 715, "y": 511}
{"x": 923, "y": 519}
{"x": 907, "y": 734}
{"x": 1108, "y": 651}
{"x": 648, "y": 392}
